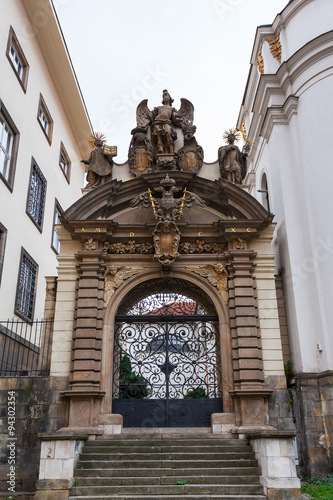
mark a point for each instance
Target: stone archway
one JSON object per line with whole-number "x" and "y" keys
{"x": 221, "y": 316}
{"x": 167, "y": 367}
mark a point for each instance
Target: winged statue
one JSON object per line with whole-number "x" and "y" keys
{"x": 162, "y": 120}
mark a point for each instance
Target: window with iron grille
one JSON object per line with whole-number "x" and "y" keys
{"x": 36, "y": 195}
{"x": 44, "y": 119}
{"x": 55, "y": 245}
{"x": 64, "y": 162}
{"x": 17, "y": 59}
{"x": 26, "y": 287}
{"x": 3, "y": 236}
{"x": 9, "y": 136}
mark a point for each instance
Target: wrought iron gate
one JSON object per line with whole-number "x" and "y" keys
{"x": 167, "y": 359}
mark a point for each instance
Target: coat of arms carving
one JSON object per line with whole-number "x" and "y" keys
{"x": 167, "y": 209}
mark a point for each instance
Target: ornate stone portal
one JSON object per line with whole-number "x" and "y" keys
{"x": 209, "y": 233}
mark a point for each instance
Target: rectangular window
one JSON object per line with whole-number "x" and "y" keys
{"x": 17, "y": 59}
{"x": 64, "y": 162}
{"x": 55, "y": 245}
{"x": 44, "y": 119}
{"x": 26, "y": 287}
{"x": 3, "y": 236}
{"x": 9, "y": 136}
{"x": 36, "y": 195}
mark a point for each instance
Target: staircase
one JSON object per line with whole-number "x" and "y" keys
{"x": 167, "y": 467}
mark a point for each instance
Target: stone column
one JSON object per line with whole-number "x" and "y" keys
{"x": 250, "y": 392}
{"x": 84, "y": 388}
{"x": 44, "y": 359}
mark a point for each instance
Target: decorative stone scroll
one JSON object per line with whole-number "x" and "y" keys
{"x": 201, "y": 247}
{"x": 216, "y": 275}
{"x": 240, "y": 244}
{"x": 90, "y": 244}
{"x": 130, "y": 247}
{"x": 114, "y": 277}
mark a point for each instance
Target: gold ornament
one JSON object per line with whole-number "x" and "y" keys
{"x": 243, "y": 129}
{"x": 96, "y": 136}
{"x": 231, "y": 131}
{"x": 260, "y": 61}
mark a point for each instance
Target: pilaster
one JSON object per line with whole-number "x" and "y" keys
{"x": 85, "y": 378}
{"x": 249, "y": 388}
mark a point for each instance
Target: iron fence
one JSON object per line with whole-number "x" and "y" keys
{"x": 25, "y": 348}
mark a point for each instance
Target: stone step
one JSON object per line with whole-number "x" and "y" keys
{"x": 169, "y": 456}
{"x": 167, "y": 448}
{"x": 171, "y": 497}
{"x": 165, "y": 480}
{"x": 153, "y": 472}
{"x": 191, "y": 489}
{"x": 107, "y": 464}
{"x": 151, "y": 440}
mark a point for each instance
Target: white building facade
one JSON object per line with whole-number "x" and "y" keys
{"x": 286, "y": 111}
{"x": 44, "y": 127}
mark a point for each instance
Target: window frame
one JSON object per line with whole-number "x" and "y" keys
{"x": 13, "y": 157}
{"x": 12, "y": 40}
{"x": 35, "y": 164}
{"x": 57, "y": 206}
{"x": 68, "y": 161}
{"x": 42, "y": 107}
{"x": 3, "y": 239}
{"x": 25, "y": 254}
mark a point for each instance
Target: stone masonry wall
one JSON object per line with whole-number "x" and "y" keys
{"x": 313, "y": 408}
{"x": 38, "y": 409}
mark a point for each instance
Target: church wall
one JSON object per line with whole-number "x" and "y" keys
{"x": 286, "y": 112}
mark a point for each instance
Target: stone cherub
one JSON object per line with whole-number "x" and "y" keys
{"x": 232, "y": 161}
{"x": 99, "y": 163}
{"x": 162, "y": 120}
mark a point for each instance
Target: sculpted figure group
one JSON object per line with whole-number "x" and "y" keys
{"x": 154, "y": 139}
{"x": 154, "y": 145}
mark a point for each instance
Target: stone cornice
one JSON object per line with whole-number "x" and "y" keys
{"x": 278, "y": 115}
{"x": 269, "y": 89}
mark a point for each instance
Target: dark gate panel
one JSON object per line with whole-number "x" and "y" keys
{"x": 167, "y": 370}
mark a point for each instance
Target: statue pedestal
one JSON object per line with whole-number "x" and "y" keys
{"x": 166, "y": 162}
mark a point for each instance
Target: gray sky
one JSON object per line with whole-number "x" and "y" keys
{"x": 124, "y": 51}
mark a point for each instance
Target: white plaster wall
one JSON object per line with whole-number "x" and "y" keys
{"x": 23, "y": 110}
{"x": 296, "y": 157}
{"x": 310, "y": 19}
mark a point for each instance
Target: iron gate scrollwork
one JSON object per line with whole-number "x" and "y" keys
{"x": 167, "y": 357}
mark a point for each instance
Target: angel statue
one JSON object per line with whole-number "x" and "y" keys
{"x": 167, "y": 208}
{"x": 162, "y": 119}
{"x": 100, "y": 161}
{"x": 233, "y": 162}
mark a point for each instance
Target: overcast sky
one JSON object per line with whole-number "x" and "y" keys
{"x": 124, "y": 51}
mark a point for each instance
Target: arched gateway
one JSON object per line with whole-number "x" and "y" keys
{"x": 167, "y": 359}
{"x": 166, "y": 310}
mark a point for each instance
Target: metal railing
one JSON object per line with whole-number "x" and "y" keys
{"x": 25, "y": 348}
